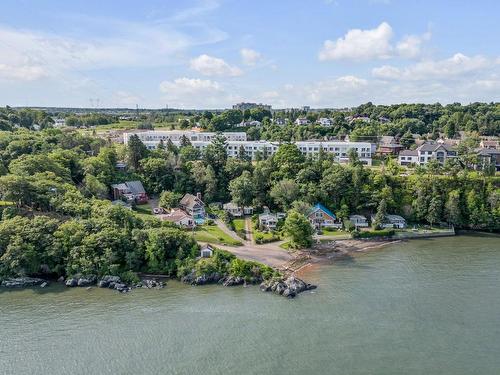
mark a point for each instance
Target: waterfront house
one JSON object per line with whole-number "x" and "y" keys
{"x": 206, "y": 251}
{"x": 321, "y": 217}
{"x": 268, "y": 221}
{"x": 359, "y": 221}
{"x": 131, "y": 191}
{"x": 234, "y": 210}
{"x": 392, "y": 221}
{"x": 194, "y": 206}
{"x": 179, "y": 217}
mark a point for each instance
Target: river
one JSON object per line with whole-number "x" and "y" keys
{"x": 418, "y": 307}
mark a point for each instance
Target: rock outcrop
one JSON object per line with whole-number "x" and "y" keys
{"x": 22, "y": 282}
{"x": 288, "y": 287}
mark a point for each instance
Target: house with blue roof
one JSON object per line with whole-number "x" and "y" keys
{"x": 322, "y": 217}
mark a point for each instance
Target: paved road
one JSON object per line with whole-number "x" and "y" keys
{"x": 271, "y": 254}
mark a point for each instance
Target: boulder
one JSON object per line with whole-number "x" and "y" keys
{"x": 61, "y": 279}
{"x": 289, "y": 287}
{"x": 71, "y": 282}
{"x": 44, "y": 284}
{"x": 87, "y": 280}
{"x": 22, "y": 282}
{"x": 107, "y": 280}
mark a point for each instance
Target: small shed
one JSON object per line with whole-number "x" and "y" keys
{"x": 206, "y": 251}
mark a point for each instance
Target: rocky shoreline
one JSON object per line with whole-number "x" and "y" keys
{"x": 288, "y": 287}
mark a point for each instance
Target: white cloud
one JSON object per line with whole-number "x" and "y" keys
{"x": 213, "y": 66}
{"x": 22, "y": 72}
{"x": 455, "y": 66}
{"x": 410, "y": 46}
{"x": 250, "y": 56}
{"x": 189, "y": 86}
{"x": 360, "y": 45}
{"x": 125, "y": 99}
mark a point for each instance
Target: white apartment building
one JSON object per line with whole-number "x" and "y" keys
{"x": 153, "y": 137}
{"x": 201, "y": 140}
{"x": 324, "y": 121}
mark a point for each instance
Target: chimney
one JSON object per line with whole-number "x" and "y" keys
{"x": 198, "y": 195}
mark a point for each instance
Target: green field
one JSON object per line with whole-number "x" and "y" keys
{"x": 333, "y": 232}
{"x": 214, "y": 235}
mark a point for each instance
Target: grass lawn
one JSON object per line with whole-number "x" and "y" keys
{"x": 239, "y": 224}
{"x": 333, "y": 232}
{"x": 264, "y": 237}
{"x": 143, "y": 209}
{"x": 6, "y": 203}
{"x": 239, "y": 227}
{"x": 213, "y": 234}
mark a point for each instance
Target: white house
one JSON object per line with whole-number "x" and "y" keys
{"x": 59, "y": 123}
{"x": 408, "y": 157}
{"x": 179, "y": 217}
{"x": 237, "y": 211}
{"x": 194, "y": 206}
{"x": 268, "y": 221}
{"x": 245, "y": 124}
{"x": 359, "y": 221}
{"x": 301, "y": 121}
{"x": 324, "y": 121}
{"x": 206, "y": 251}
{"x": 392, "y": 221}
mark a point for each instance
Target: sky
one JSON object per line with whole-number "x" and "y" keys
{"x": 209, "y": 54}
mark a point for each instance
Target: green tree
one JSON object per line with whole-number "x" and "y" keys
{"x": 169, "y": 199}
{"x": 284, "y": 192}
{"x": 242, "y": 189}
{"x": 298, "y": 229}
{"x": 136, "y": 151}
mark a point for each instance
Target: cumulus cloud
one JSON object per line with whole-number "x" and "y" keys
{"x": 455, "y": 66}
{"x": 410, "y": 46}
{"x": 189, "y": 86}
{"x": 360, "y": 45}
{"x": 213, "y": 66}
{"x": 250, "y": 56}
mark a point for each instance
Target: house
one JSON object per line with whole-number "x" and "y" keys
{"x": 324, "y": 121}
{"x": 194, "y": 206}
{"x": 268, "y": 221}
{"x": 237, "y": 211}
{"x": 392, "y": 221}
{"x": 206, "y": 251}
{"x": 249, "y": 123}
{"x": 491, "y": 144}
{"x": 408, "y": 157}
{"x": 389, "y": 145}
{"x": 59, "y": 123}
{"x": 279, "y": 121}
{"x": 132, "y": 191}
{"x": 359, "y": 221}
{"x": 488, "y": 157}
{"x": 321, "y": 217}
{"x": 301, "y": 121}
{"x": 427, "y": 151}
{"x": 179, "y": 217}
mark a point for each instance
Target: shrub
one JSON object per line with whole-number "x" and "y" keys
{"x": 130, "y": 277}
{"x": 373, "y": 233}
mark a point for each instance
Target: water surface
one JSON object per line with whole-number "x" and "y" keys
{"x": 419, "y": 307}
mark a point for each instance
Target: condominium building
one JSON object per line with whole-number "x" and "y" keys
{"x": 235, "y": 141}
{"x": 153, "y": 137}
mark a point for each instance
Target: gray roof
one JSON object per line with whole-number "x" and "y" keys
{"x": 134, "y": 187}
{"x": 408, "y": 153}
{"x": 433, "y": 146}
{"x": 189, "y": 200}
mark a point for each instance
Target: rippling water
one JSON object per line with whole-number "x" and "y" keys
{"x": 420, "y": 307}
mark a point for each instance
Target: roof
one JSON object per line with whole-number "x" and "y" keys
{"x": 134, "y": 187}
{"x": 189, "y": 200}
{"x": 319, "y": 206}
{"x": 357, "y": 217}
{"x": 487, "y": 151}
{"x": 176, "y": 215}
{"x": 268, "y": 216}
{"x": 409, "y": 153}
{"x": 433, "y": 146}
{"x": 230, "y": 206}
{"x": 394, "y": 218}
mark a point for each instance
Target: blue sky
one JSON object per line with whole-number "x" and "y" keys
{"x": 214, "y": 53}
